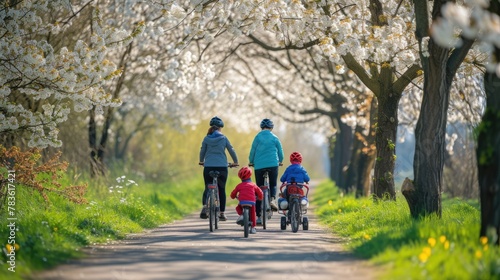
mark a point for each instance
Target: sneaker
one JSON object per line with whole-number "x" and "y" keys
{"x": 222, "y": 217}
{"x": 253, "y": 231}
{"x": 239, "y": 221}
{"x": 259, "y": 221}
{"x": 274, "y": 205}
{"x": 203, "y": 214}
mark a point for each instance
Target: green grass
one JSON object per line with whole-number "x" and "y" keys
{"x": 431, "y": 248}
{"x": 50, "y": 234}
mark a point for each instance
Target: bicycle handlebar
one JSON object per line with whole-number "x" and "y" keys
{"x": 252, "y": 165}
{"x": 230, "y": 165}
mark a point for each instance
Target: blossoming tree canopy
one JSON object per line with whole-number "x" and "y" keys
{"x": 338, "y": 27}
{"x": 475, "y": 22}
{"x": 46, "y": 72}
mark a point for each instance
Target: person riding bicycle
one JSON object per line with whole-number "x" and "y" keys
{"x": 266, "y": 153}
{"x": 294, "y": 173}
{"x": 213, "y": 158}
{"x": 246, "y": 191}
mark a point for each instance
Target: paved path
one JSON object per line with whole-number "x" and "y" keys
{"x": 186, "y": 249}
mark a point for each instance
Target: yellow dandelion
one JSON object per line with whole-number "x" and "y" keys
{"x": 330, "y": 202}
{"x": 485, "y": 248}
{"x": 483, "y": 240}
{"x": 442, "y": 239}
{"x": 367, "y": 237}
{"x": 11, "y": 248}
{"x": 427, "y": 251}
{"x": 479, "y": 254}
{"x": 431, "y": 241}
{"x": 420, "y": 72}
{"x": 447, "y": 244}
{"x": 423, "y": 257}
{"x": 340, "y": 210}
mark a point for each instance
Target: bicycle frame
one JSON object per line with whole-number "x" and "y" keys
{"x": 213, "y": 201}
{"x": 266, "y": 211}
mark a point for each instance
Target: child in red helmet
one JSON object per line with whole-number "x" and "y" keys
{"x": 294, "y": 173}
{"x": 246, "y": 191}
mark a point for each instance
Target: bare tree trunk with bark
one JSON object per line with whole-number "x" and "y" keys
{"x": 440, "y": 65}
{"x": 488, "y": 156}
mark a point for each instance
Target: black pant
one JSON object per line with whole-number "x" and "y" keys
{"x": 259, "y": 180}
{"x": 221, "y": 184}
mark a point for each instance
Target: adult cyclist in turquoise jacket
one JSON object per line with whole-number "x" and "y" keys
{"x": 266, "y": 153}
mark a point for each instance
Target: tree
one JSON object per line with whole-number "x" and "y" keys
{"x": 482, "y": 24}
{"x": 44, "y": 76}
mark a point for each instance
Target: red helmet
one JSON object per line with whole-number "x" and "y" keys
{"x": 295, "y": 157}
{"x": 245, "y": 173}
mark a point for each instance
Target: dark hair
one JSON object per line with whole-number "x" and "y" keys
{"x": 212, "y": 129}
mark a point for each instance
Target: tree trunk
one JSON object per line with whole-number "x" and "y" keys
{"x": 340, "y": 155}
{"x": 439, "y": 65}
{"x": 488, "y": 158}
{"x": 430, "y": 135}
{"x": 352, "y": 169}
{"x": 385, "y": 141}
{"x": 96, "y": 165}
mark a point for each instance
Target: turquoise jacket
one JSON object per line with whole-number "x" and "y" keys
{"x": 266, "y": 150}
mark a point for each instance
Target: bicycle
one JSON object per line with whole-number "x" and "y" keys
{"x": 294, "y": 215}
{"x": 213, "y": 202}
{"x": 266, "y": 200}
{"x": 247, "y": 224}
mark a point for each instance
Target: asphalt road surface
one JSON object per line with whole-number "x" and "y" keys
{"x": 186, "y": 249}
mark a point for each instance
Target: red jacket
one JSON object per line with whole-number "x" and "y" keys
{"x": 247, "y": 190}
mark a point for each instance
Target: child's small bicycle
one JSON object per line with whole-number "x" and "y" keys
{"x": 247, "y": 224}
{"x": 294, "y": 215}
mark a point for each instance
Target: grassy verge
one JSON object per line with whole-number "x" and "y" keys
{"x": 431, "y": 248}
{"x": 50, "y": 234}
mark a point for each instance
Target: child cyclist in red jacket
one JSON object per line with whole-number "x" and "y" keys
{"x": 246, "y": 191}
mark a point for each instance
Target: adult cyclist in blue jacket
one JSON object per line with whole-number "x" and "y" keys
{"x": 266, "y": 153}
{"x": 213, "y": 158}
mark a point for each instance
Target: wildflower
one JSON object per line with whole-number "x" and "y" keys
{"x": 423, "y": 257}
{"x": 330, "y": 202}
{"x": 478, "y": 254}
{"x": 340, "y": 210}
{"x": 427, "y": 251}
{"x": 485, "y": 248}
{"x": 367, "y": 237}
{"x": 446, "y": 244}
{"x": 11, "y": 248}
{"x": 442, "y": 239}
{"x": 431, "y": 241}
{"x": 483, "y": 240}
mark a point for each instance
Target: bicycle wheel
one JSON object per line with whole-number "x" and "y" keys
{"x": 211, "y": 211}
{"x": 265, "y": 203}
{"x": 246, "y": 222}
{"x": 217, "y": 209}
{"x": 294, "y": 215}
{"x": 305, "y": 223}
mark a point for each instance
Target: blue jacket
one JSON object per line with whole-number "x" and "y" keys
{"x": 296, "y": 171}
{"x": 266, "y": 150}
{"x": 213, "y": 150}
